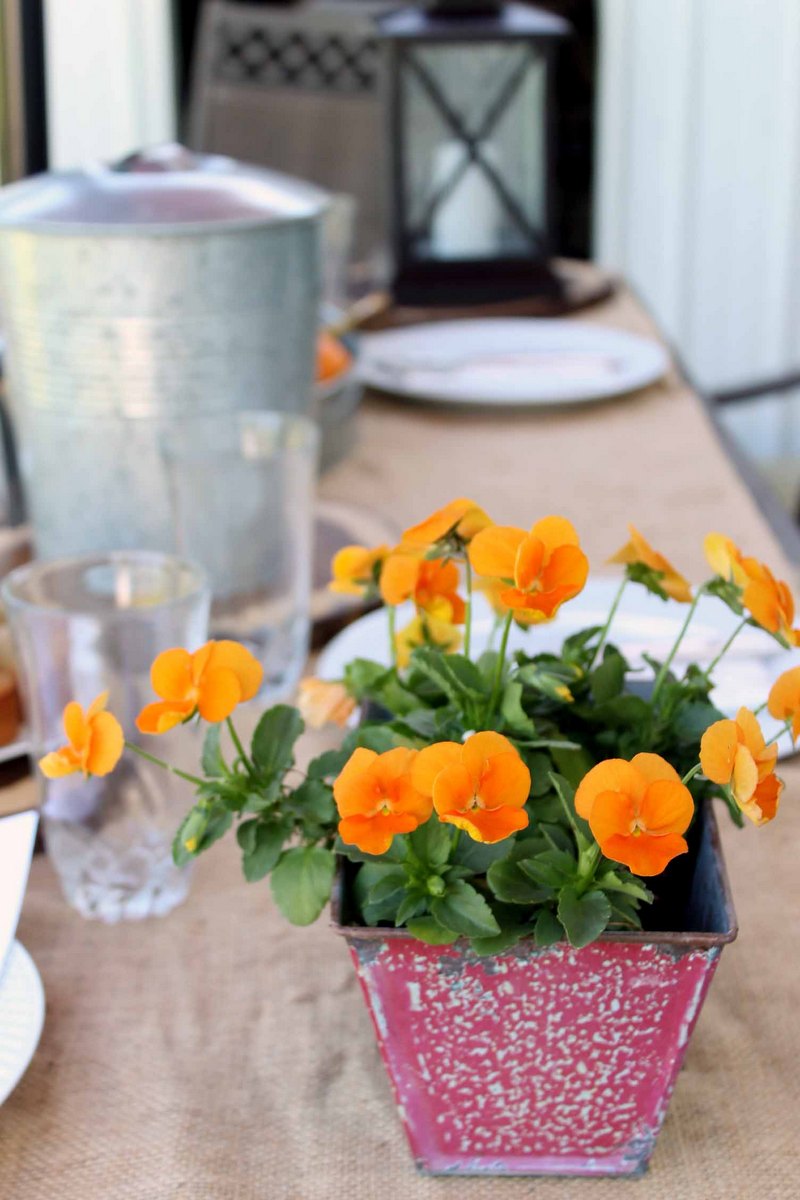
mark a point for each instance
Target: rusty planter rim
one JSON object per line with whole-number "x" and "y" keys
{"x": 701, "y": 939}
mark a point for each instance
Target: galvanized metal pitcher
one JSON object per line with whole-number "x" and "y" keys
{"x": 134, "y": 298}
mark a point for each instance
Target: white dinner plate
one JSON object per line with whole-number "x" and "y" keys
{"x": 21, "y": 1017}
{"x": 510, "y": 361}
{"x": 644, "y": 624}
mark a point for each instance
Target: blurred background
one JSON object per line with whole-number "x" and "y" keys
{"x": 677, "y": 148}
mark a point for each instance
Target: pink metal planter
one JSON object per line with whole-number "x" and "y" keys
{"x": 542, "y": 1061}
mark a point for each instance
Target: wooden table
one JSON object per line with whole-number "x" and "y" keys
{"x": 219, "y": 1053}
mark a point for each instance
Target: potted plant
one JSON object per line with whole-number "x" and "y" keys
{"x": 521, "y": 847}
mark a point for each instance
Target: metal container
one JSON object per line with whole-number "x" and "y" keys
{"x": 542, "y": 1061}
{"x": 132, "y": 296}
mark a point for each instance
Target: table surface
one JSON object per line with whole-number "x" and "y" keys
{"x": 221, "y": 1053}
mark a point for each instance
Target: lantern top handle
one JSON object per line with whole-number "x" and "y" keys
{"x": 454, "y": 20}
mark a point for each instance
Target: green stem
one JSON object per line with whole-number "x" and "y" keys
{"x": 391, "y": 613}
{"x": 159, "y": 762}
{"x": 468, "y": 614}
{"x": 784, "y": 729}
{"x": 696, "y": 769}
{"x": 240, "y": 750}
{"x": 607, "y": 627}
{"x": 726, "y": 647}
{"x": 760, "y": 708}
{"x": 662, "y": 674}
{"x": 498, "y": 674}
{"x": 587, "y": 865}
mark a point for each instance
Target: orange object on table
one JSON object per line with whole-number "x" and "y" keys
{"x": 332, "y": 356}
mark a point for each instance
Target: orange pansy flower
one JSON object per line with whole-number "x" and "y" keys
{"x": 212, "y": 681}
{"x": 322, "y": 703}
{"x": 459, "y": 520}
{"x": 480, "y": 786}
{"x": 95, "y": 742}
{"x": 541, "y": 569}
{"x": 376, "y": 799}
{"x": 431, "y": 629}
{"x": 735, "y": 755}
{"x": 637, "y": 811}
{"x": 770, "y": 603}
{"x": 784, "y": 699}
{"x": 355, "y": 569}
{"x": 426, "y": 581}
{"x": 726, "y": 559}
{"x": 639, "y": 550}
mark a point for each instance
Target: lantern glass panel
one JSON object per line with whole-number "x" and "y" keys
{"x": 474, "y": 150}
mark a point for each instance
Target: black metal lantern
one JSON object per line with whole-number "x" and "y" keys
{"x": 470, "y": 100}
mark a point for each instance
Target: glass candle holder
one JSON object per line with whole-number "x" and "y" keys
{"x": 242, "y": 493}
{"x": 84, "y": 626}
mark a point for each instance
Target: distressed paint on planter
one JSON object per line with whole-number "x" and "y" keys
{"x": 542, "y": 1061}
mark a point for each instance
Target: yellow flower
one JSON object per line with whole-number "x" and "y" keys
{"x": 434, "y": 628}
{"x": 356, "y": 569}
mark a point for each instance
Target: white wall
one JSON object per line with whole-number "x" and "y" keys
{"x": 699, "y": 179}
{"x": 110, "y": 78}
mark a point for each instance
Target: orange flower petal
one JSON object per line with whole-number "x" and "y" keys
{"x": 718, "y": 747}
{"x": 171, "y": 674}
{"x": 612, "y": 775}
{"x": 462, "y": 516}
{"x": 354, "y": 789}
{"x": 59, "y": 763}
{"x": 97, "y": 705}
{"x": 482, "y": 746}
{"x": 654, "y": 767}
{"x": 399, "y": 576}
{"x": 163, "y": 715}
{"x": 220, "y": 692}
{"x": 493, "y": 551}
{"x": 568, "y": 568}
{"x": 76, "y": 726}
{"x": 529, "y": 562}
{"x": 453, "y": 789}
{"x": 506, "y": 781}
{"x": 373, "y": 835}
{"x": 764, "y": 805}
{"x": 484, "y": 825}
{"x": 554, "y": 532}
{"x": 667, "y": 807}
{"x": 106, "y": 745}
{"x": 644, "y": 855}
{"x": 612, "y": 813}
{"x": 744, "y": 779}
{"x": 430, "y": 761}
{"x": 232, "y": 656}
{"x": 784, "y": 696}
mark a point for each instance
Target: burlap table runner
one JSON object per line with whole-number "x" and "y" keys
{"x": 219, "y": 1053}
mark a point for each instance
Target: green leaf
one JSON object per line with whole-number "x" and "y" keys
{"x": 301, "y": 883}
{"x": 312, "y": 801}
{"x": 565, "y": 790}
{"x": 264, "y": 848}
{"x": 552, "y": 869}
{"x": 362, "y": 677}
{"x": 327, "y": 765}
{"x": 608, "y": 680}
{"x": 212, "y": 762}
{"x": 246, "y": 835}
{"x": 504, "y": 940}
{"x": 625, "y": 711}
{"x": 464, "y": 910}
{"x": 548, "y": 929}
{"x": 648, "y": 577}
{"x": 432, "y": 842}
{"x": 510, "y": 883}
{"x": 584, "y": 917}
{"x": 428, "y": 929}
{"x": 274, "y": 739}
{"x": 512, "y": 711}
{"x": 379, "y": 738}
{"x": 539, "y": 766}
{"x": 390, "y": 887}
{"x": 692, "y": 720}
{"x": 457, "y": 676}
{"x": 416, "y": 902}
{"x": 574, "y": 764}
{"x": 396, "y": 852}
{"x": 478, "y": 856}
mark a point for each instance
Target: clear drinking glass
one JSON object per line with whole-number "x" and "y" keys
{"x": 87, "y": 625}
{"x": 242, "y": 493}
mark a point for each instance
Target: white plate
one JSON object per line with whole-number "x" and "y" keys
{"x": 514, "y": 361}
{"x": 644, "y": 623}
{"x": 21, "y": 1017}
